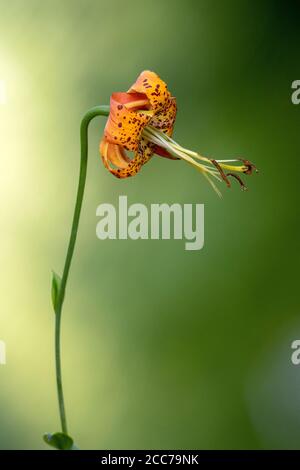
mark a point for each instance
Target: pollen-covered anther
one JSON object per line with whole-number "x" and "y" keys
{"x": 239, "y": 179}
{"x": 250, "y": 167}
{"x": 247, "y": 168}
{"x": 222, "y": 174}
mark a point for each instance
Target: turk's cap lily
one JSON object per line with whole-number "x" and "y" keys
{"x": 147, "y": 102}
{"x": 142, "y": 121}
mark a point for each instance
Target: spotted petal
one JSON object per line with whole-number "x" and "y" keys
{"x": 147, "y": 103}
{"x": 153, "y": 88}
{"x": 123, "y": 167}
{"x": 129, "y": 114}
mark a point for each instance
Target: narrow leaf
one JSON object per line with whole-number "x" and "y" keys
{"x": 56, "y": 283}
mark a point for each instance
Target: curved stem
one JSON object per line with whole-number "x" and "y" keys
{"x": 96, "y": 111}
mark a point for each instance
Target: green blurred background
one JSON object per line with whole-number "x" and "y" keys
{"x": 162, "y": 347}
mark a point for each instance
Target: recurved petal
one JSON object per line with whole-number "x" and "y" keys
{"x": 155, "y": 89}
{"x": 129, "y": 114}
{"x": 124, "y": 166}
{"x": 112, "y": 153}
{"x": 165, "y": 119}
{"x": 164, "y": 153}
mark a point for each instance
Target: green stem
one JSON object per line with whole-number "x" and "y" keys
{"x": 96, "y": 111}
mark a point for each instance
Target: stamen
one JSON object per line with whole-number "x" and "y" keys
{"x": 209, "y": 167}
{"x": 250, "y": 167}
{"x": 224, "y": 177}
{"x": 243, "y": 186}
{"x": 158, "y": 140}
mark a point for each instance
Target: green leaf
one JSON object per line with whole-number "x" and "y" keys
{"x": 56, "y": 283}
{"x": 59, "y": 440}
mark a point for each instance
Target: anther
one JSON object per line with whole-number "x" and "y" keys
{"x": 223, "y": 175}
{"x": 243, "y": 186}
{"x": 250, "y": 167}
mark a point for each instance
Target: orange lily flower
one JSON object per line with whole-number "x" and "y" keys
{"x": 142, "y": 121}
{"x": 147, "y": 102}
